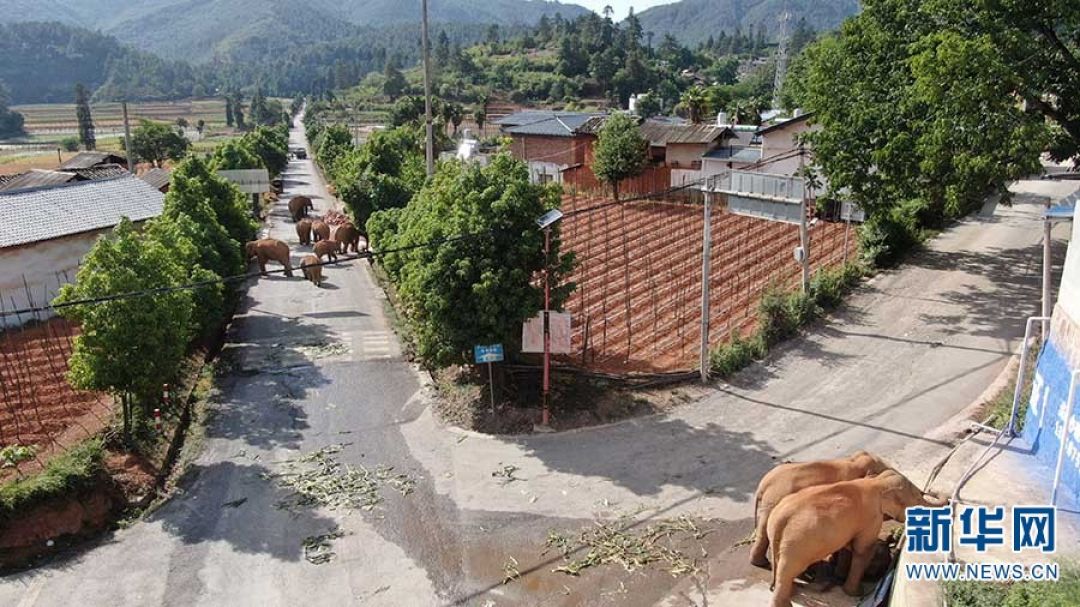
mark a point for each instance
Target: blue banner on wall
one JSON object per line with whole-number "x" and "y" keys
{"x": 1044, "y": 423}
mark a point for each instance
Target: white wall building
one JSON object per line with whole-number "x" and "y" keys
{"x": 45, "y": 233}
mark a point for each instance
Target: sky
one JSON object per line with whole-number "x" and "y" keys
{"x": 621, "y": 7}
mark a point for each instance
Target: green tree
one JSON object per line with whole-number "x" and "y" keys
{"x": 11, "y": 122}
{"x": 332, "y": 143}
{"x": 233, "y": 155}
{"x": 133, "y": 345}
{"x": 480, "y": 116}
{"x": 229, "y": 204}
{"x": 157, "y": 142}
{"x": 620, "y": 151}
{"x": 919, "y": 120}
{"x": 181, "y": 123}
{"x": 480, "y": 288}
{"x": 85, "y": 120}
{"x": 230, "y": 120}
{"x": 70, "y": 144}
{"x": 394, "y": 83}
{"x": 648, "y": 105}
{"x": 695, "y": 103}
{"x": 270, "y": 145}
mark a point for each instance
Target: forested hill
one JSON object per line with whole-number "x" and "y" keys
{"x": 200, "y": 30}
{"x": 694, "y": 21}
{"x": 43, "y": 61}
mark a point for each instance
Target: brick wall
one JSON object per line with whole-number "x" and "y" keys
{"x": 557, "y": 150}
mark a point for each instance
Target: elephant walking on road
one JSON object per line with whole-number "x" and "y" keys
{"x": 309, "y": 265}
{"x": 303, "y": 231}
{"x": 808, "y": 526}
{"x": 349, "y": 237}
{"x": 269, "y": 249}
{"x": 299, "y": 206}
{"x": 786, "y": 479}
{"x": 320, "y": 230}
{"x": 326, "y": 247}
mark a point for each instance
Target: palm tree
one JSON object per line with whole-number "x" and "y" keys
{"x": 694, "y": 102}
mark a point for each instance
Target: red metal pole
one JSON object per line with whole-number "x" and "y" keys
{"x": 546, "y": 416}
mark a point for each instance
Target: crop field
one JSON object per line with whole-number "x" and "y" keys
{"x": 637, "y": 305}
{"x": 45, "y": 118}
{"x": 39, "y": 406}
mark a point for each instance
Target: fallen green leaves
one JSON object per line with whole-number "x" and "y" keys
{"x": 319, "y": 479}
{"x": 510, "y": 570}
{"x": 618, "y": 542}
{"x": 506, "y": 473}
{"x": 317, "y": 548}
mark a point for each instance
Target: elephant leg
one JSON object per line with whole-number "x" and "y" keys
{"x": 262, "y": 266}
{"x": 760, "y": 550}
{"x": 861, "y": 553}
{"x": 288, "y": 267}
{"x": 785, "y": 584}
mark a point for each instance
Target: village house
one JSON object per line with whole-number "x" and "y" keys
{"x": 46, "y": 231}
{"x": 549, "y": 142}
{"x": 682, "y": 147}
{"x": 158, "y": 178}
{"x": 87, "y": 160}
{"x": 36, "y": 178}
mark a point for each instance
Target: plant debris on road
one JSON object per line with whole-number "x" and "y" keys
{"x": 616, "y": 542}
{"x": 319, "y": 479}
{"x": 317, "y": 547}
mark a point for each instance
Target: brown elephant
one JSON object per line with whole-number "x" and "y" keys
{"x": 348, "y": 236}
{"x": 320, "y": 230}
{"x": 272, "y": 249}
{"x": 299, "y": 206}
{"x": 786, "y": 479}
{"x": 808, "y": 526}
{"x": 310, "y": 266}
{"x": 303, "y": 230}
{"x": 326, "y": 247}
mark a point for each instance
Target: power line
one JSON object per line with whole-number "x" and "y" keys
{"x": 227, "y": 279}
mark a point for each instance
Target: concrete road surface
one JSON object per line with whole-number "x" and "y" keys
{"x": 316, "y": 367}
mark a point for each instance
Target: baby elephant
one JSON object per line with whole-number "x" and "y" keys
{"x": 326, "y": 247}
{"x": 786, "y": 479}
{"x": 269, "y": 248}
{"x": 808, "y": 526}
{"x": 320, "y": 230}
{"x": 309, "y": 265}
{"x": 303, "y": 231}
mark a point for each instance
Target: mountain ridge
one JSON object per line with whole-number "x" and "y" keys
{"x": 693, "y": 21}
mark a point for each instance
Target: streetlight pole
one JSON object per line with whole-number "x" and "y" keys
{"x": 546, "y": 415}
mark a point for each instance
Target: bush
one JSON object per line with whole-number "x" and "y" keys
{"x": 69, "y": 144}
{"x": 736, "y": 354}
{"x": 1063, "y": 593}
{"x": 68, "y": 472}
{"x": 885, "y": 238}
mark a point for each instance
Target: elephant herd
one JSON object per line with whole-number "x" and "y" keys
{"x": 324, "y": 239}
{"x": 807, "y": 512}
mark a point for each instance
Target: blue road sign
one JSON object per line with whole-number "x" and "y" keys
{"x": 488, "y": 354}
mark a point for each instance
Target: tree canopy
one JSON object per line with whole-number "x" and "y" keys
{"x": 477, "y": 289}
{"x": 620, "y": 150}
{"x": 85, "y": 120}
{"x": 157, "y": 142}
{"x": 11, "y": 122}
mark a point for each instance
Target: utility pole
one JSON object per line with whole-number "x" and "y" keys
{"x": 127, "y": 140}
{"x": 430, "y": 145}
{"x": 706, "y": 265}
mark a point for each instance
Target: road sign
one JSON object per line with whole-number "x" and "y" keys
{"x": 249, "y": 181}
{"x": 532, "y": 333}
{"x": 488, "y": 354}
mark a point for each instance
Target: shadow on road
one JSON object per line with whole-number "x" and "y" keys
{"x": 646, "y": 455}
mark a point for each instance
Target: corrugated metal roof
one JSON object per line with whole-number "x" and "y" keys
{"x": 528, "y": 116}
{"x": 45, "y": 213}
{"x": 36, "y": 178}
{"x": 157, "y": 178}
{"x": 661, "y": 134}
{"x": 555, "y": 125}
{"x": 104, "y": 171}
{"x": 785, "y": 123}
{"x": 85, "y": 160}
{"x": 735, "y": 154}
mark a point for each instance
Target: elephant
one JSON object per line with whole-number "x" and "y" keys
{"x": 808, "y": 526}
{"x": 348, "y": 236}
{"x": 786, "y": 479}
{"x": 298, "y": 207}
{"x": 269, "y": 248}
{"x": 310, "y": 266}
{"x": 326, "y": 247}
{"x": 303, "y": 230}
{"x": 320, "y": 230}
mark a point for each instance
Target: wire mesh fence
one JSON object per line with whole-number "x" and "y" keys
{"x": 38, "y": 406}
{"x": 637, "y": 305}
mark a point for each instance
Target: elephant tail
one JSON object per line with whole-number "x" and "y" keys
{"x": 757, "y": 507}
{"x": 774, "y": 555}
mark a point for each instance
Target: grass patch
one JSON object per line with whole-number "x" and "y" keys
{"x": 76, "y": 469}
{"x": 781, "y": 314}
{"x": 1001, "y": 406}
{"x": 1063, "y": 593}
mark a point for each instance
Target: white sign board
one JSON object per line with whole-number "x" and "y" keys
{"x": 761, "y": 195}
{"x": 532, "y": 333}
{"x": 250, "y": 181}
{"x": 849, "y": 211}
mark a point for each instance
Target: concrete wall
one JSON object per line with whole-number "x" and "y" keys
{"x": 1048, "y": 410}
{"x": 43, "y": 264}
{"x": 778, "y": 142}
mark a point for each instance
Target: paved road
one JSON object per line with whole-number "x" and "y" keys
{"x": 320, "y": 366}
